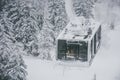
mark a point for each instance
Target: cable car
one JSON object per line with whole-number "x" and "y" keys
{"x": 79, "y": 41}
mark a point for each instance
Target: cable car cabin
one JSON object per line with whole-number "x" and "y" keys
{"x": 79, "y": 41}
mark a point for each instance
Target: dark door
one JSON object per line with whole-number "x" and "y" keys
{"x": 62, "y": 48}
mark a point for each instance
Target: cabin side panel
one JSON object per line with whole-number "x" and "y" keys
{"x": 62, "y": 48}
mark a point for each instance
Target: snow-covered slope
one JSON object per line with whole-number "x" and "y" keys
{"x": 107, "y": 62}
{"x": 48, "y": 70}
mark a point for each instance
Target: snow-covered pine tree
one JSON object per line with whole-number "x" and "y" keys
{"x": 12, "y": 66}
{"x": 32, "y": 23}
{"x": 57, "y": 17}
{"x": 3, "y": 3}
{"x": 27, "y": 19}
{"x": 55, "y": 20}
{"x": 84, "y": 8}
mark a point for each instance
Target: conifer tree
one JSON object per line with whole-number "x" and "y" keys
{"x": 84, "y": 8}
{"x": 57, "y": 17}
{"x": 12, "y": 66}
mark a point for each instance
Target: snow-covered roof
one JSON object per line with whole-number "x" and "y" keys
{"x": 78, "y": 29}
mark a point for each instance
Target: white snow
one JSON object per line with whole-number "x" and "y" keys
{"x": 48, "y": 70}
{"x": 79, "y": 26}
{"x": 69, "y": 9}
{"x": 107, "y": 62}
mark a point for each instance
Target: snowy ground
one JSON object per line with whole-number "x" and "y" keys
{"x": 106, "y": 65}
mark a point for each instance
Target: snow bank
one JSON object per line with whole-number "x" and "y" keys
{"x": 48, "y": 70}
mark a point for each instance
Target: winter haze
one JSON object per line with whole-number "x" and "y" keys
{"x": 29, "y": 33}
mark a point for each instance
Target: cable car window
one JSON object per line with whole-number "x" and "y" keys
{"x": 72, "y": 51}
